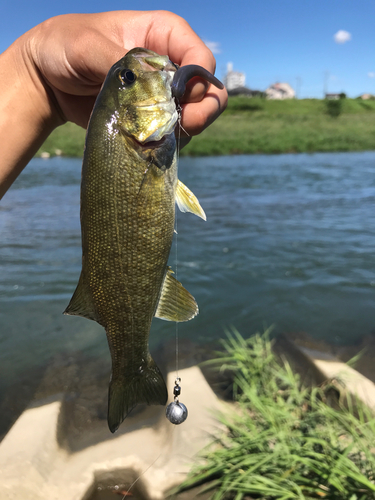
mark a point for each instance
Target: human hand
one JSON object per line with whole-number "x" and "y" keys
{"x": 74, "y": 52}
{"x": 53, "y": 73}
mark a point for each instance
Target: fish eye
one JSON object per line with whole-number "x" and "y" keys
{"x": 127, "y": 76}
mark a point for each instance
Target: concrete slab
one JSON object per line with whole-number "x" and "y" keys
{"x": 331, "y": 368}
{"x": 33, "y": 465}
{"x": 325, "y": 366}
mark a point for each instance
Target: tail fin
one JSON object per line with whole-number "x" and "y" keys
{"x": 127, "y": 391}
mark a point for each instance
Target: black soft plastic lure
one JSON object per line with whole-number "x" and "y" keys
{"x": 186, "y": 73}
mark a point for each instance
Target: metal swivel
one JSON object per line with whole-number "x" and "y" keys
{"x": 176, "y": 412}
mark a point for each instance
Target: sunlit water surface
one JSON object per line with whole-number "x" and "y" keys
{"x": 289, "y": 240}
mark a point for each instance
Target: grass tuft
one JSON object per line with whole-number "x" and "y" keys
{"x": 282, "y": 440}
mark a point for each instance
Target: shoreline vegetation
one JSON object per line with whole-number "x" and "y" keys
{"x": 283, "y": 440}
{"x": 260, "y": 126}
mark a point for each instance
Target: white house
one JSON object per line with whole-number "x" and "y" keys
{"x": 280, "y": 91}
{"x": 234, "y": 79}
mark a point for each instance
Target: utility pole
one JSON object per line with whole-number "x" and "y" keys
{"x": 325, "y": 86}
{"x": 298, "y": 86}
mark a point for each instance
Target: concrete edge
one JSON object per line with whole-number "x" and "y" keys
{"x": 322, "y": 366}
{"x": 34, "y": 466}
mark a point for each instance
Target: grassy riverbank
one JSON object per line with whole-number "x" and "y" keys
{"x": 281, "y": 440}
{"x": 260, "y": 126}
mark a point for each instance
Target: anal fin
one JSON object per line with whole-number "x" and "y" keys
{"x": 175, "y": 303}
{"x": 81, "y": 303}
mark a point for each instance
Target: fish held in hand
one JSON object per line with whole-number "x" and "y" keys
{"x": 128, "y": 193}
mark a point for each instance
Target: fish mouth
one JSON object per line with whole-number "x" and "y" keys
{"x": 166, "y": 105}
{"x": 157, "y": 115}
{"x": 150, "y": 144}
{"x": 154, "y": 132}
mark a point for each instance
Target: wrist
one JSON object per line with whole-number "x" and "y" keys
{"x": 27, "y": 111}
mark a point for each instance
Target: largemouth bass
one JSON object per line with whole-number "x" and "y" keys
{"x": 128, "y": 193}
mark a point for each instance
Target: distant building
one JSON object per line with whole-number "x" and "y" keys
{"x": 235, "y": 84}
{"x": 367, "y": 96}
{"x": 332, "y": 96}
{"x": 234, "y": 79}
{"x": 280, "y": 91}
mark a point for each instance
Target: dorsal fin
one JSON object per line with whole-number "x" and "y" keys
{"x": 175, "y": 303}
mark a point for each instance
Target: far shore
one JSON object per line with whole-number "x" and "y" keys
{"x": 260, "y": 126}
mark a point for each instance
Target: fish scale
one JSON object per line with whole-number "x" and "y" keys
{"x": 128, "y": 192}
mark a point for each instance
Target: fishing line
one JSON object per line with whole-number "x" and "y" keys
{"x": 179, "y": 110}
{"x": 176, "y": 412}
{"x": 128, "y": 491}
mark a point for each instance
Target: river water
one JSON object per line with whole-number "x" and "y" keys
{"x": 289, "y": 241}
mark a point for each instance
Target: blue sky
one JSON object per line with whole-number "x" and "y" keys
{"x": 290, "y": 41}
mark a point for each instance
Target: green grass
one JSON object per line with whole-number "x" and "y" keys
{"x": 296, "y": 106}
{"x": 287, "y": 127}
{"x": 69, "y": 138}
{"x": 255, "y": 125}
{"x": 281, "y": 440}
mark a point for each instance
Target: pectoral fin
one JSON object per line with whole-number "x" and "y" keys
{"x": 81, "y": 304}
{"x": 176, "y": 303}
{"x": 187, "y": 201}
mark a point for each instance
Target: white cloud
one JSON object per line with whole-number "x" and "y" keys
{"x": 371, "y": 74}
{"x": 342, "y": 36}
{"x": 213, "y": 46}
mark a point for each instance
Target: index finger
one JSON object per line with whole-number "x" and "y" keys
{"x": 170, "y": 34}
